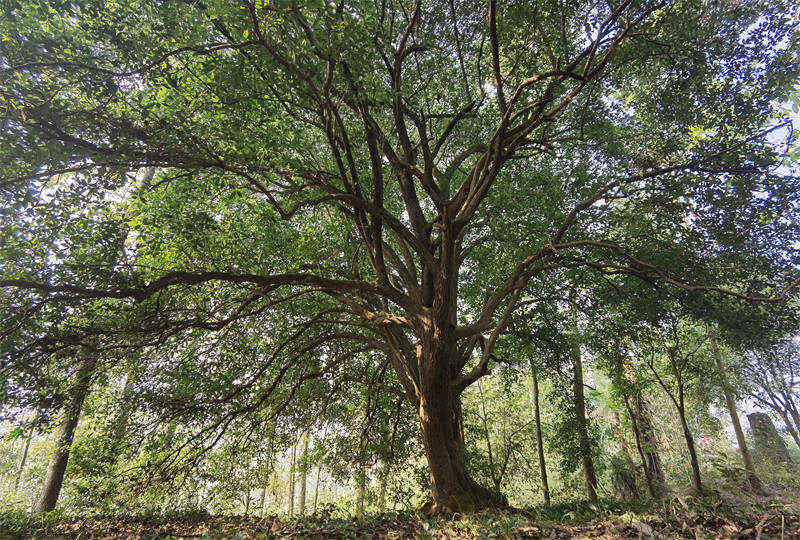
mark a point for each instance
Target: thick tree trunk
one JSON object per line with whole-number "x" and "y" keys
{"x": 54, "y": 478}
{"x": 452, "y": 489}
{"x": 697, "y": 483}
{"x": 24, "y": 459}
{"x": 750, "y": 471}
{"x": 582, "y": 424}
{"x": 534, "y": 396}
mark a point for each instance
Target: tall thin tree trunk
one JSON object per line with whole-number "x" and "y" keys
{"x": 750, "y": 471}
{"x": 316, "y": 488}
{"x": 54, "y": 478}
{"x": 247, "y": 502}
{"x": 291, "y": 479}
{"x": 647, "y": 432}
{"x": 534, "y": 397}
{"x": 303, "y": 475}
{"x": 697, "y": 483}
{"x": 795, "y": 416}
{"x": 362, "y": 487}
{"x": 789, "y": 427}
{"x": 24, "y": 459}
{"x": 261, "y": 500}
{"x": 119, "y": 425}
{"x": 582, "y": 424}
{"x": 648, "y": 473}
{"x": 495, "y": 477}
{"x": 382, "y": 489}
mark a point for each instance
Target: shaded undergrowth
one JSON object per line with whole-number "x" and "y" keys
{"x": 713, "y": 515}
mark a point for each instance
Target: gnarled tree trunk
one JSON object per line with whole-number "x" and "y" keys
{"x": 452, "y": 489}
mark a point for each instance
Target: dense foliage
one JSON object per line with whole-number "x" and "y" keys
{"x": 423, "y": 250}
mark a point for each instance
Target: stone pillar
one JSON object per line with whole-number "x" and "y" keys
{"x": 767, "y": 440}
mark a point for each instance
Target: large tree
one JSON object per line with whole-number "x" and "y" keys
{"x": 394, "y": 176}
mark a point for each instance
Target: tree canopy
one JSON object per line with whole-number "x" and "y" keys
{"x": 274, "y": 201}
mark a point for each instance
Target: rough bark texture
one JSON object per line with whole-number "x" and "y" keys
{"x": 534, "y": 395}
{"x": 768, "y": 442}
{"x": 750, "y": 471}
{"x": 54, "y": 478}
{"x": 583, "y": 428}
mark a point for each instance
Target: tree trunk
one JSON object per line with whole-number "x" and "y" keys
{"x": 119, "y": 425}
{"x": 582, "y": 424}
{"x": 54, "y": 478}
{"x": 303, "y": 475}
{"x": 648, "y": 473}
{"x": 750, "y": 471}
{"x": 790, "y": 428}
{"x": 382, "y": 490}
{"x": 643, "y": 425}
{"x": 452, "y": 489}
{"x": 247, "y": 502}
{"x": 262, "y": 498}
{"x": 291, "y": 479}
{"x": 24, "y": 459}
{"x": 534, "y": 397}
{"x": 697, "y": 484}
{"x": 362, "y": 488}
{"x": 795, "y": 416}
{"x": 316, "y": 488}
{"x": 623, "y": 447}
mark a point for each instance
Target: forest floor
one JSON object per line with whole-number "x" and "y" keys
{"x": 720, "y": 516}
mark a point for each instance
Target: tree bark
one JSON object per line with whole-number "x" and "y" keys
{"x": 534, "y": 397}
{"x": 452, "y": 489}
{"x": 291, "y": 479}
{"x": 54, "y": 478}
{"x": 362, "y": 488}
{"x": 697, "y": 483}
{"x": 303, "y": 475}
{"x": 382, "y": 490}
{"x": 583, "y": 430}
{"x": 750, "y": 471}
{"x": 790, "y": 428}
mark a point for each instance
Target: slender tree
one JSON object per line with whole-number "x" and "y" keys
{"x": 730, "y": 403}
{"x": 534, "y": 396}
{"x": 582, "y": 428}
{"x": 54, "y": 478}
